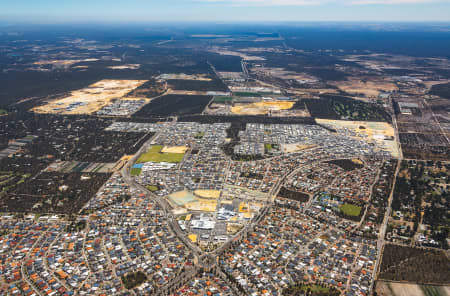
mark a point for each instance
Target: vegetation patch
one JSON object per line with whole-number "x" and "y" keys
{"x": 51, "y": 192}
{"x": 350, "y": 210}
{"x": 223, "y": 100}
{"x": 135, "y": 171}
{"x": 247, "y": 94}
{"x": 424, "y": 266}
{"x": 347, "y": 164}
{"x": 3, "y": 112}
{"x": 152, "y": 188}
{"x": 171, "y": 105}
{"x": 197, "y": 85}
{"x": 294, "y": 195}
{"x": 442, "y": 90}
{"x": 154, "y": 154}
{"x": 340, "y": 107}
{"x": 133, "y": 280}
{"x": 310, "y": 290}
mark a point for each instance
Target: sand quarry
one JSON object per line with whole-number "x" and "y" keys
{"x": 261, "y": 108}
{"x": 90, "y": 99}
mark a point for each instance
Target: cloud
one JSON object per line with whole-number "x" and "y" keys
{"x": 318, "y": 2}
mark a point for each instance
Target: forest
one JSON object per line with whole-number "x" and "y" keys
{"x": 415, "y": 265}
{"x": 174, "y": 105}
{"x": 198, "y": 85}
{"x": 421, "y": 188}
{"x": 340, "y": 107}
{"x": 294, "y": 195}
{"x": 442, "y": 90}
{"x": 346, "y": 164}
{"x": 53, "y": 193}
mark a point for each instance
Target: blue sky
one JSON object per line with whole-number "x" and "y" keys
{"x": 49, "y": 11}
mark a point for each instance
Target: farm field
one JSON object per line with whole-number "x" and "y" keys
{"x": 90, "y": 99}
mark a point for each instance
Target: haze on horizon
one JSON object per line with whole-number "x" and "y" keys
{"x": 84, "y": 11}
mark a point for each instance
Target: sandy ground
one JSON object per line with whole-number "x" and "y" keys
{"x": 63, "y": 62}
{"x": 203, "y": 205}
{"x": 289, "y": 148}
{"x": 92, "y": 98}
{"x": 208, "y": 193}
{"x": 261, "y": 108}
{"x": 233, "y": 228}
{"x": 371, "y": 88}
{"x": 284, "y": 74}
{"x": 429, "y": 84}
{"x": 374, "y": 132}
{"x": 193, "y": 237}
{"x": 182, "y": 76}
{"x": 174, "y": 149}
{"x": 127, "y": 66}
{"x": 238, "y": 54}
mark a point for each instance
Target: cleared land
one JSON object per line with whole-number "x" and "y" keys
{"x": 174, "y": 149}
{"x": 90, "y": 99}
{"x": 207, "y": 193}
{"x": 156, "y": 155}
{"x": 380, "y": 132}
{"x": 181, "y": 198}
{"x": 370, "y": 88}
{"x": 203, "y": 205}
{"x": 261, "y": 108}
{"x": 191, "y": 202}
{"x": 290, "y": 148}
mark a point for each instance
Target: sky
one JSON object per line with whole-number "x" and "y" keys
{"x": 88, "y": 11}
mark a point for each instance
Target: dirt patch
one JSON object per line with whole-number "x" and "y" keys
{"x": 261, "y": 108}
{"x": 174, "y": 149}
{"x": 215, "y": 194}
{"x": 290, "y": 148}
{"x": 381, "y": 133}
{"x": 368, "y": 88}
